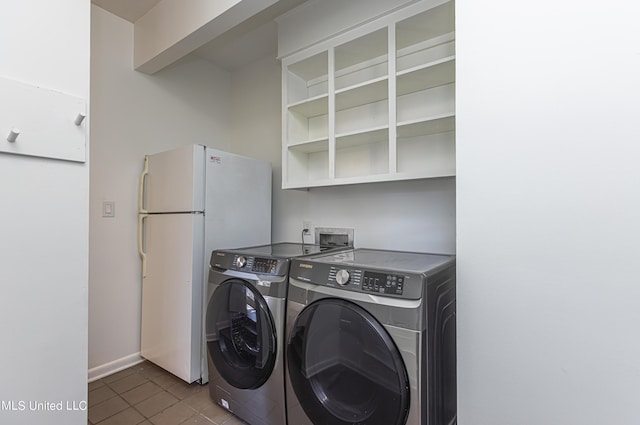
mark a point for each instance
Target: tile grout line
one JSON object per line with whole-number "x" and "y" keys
{"x": 176, "y": 392}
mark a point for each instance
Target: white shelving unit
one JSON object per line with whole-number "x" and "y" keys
{"x": 376, "y": 103}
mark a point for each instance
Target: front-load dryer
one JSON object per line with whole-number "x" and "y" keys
{"x": 371, "y": 339}
{"x": 245, "y": 324}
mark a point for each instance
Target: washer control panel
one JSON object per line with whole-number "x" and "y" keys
{"x": 264, "y": 265}
{"x": 249, "y": 263}
{"x": 343, "y": 276}
{"x": 255, "y": 264}
{"x": 381, "y": 283}
{"x": 367, "y": 281}
{"x": 372, "y": 273}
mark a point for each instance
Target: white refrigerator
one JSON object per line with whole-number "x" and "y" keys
{"x": 192, "y": 200}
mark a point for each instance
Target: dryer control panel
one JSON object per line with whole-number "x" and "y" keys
{"x": 369, "y": 281}
{"x": 256, "y": 264}
{"x": 375, "y": 282}
{"x": 383, "y": 283}
{"x": 264, "y": 265}
{"x": 342, "y": 276}
{"x": 373, "y": 272}
{"x": 249, "y": 263}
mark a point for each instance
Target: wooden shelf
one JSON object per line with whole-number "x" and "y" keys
{"x": 312, "y": 68}
{"x": 311, "y": 107}
{"x": 431, "y": 125}
{"x": 433, "y": 74}
{"x": 311, "y": 146}
{"x": 363, "y": 137}
{"x": 362, "y": 94}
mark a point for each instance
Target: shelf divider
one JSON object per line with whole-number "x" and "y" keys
{"x": 332, "y": 112}
{"x": 393, "y": 117}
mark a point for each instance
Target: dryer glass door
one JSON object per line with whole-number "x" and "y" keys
{"x": 241, "y": 335}
{"x": 345, "y": 368}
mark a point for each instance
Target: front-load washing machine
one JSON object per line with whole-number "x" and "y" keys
{"x": 371, "y": 339}
{"x": 245, "y": 324}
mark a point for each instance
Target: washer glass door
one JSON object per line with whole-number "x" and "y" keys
{"x": 345, "y": 368}
{"x": 241, "y": 335}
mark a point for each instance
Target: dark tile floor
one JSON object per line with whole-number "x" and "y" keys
{"x": 147, "y": 394}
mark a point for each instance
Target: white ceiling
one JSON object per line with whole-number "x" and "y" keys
{"x": 254, "y": 39}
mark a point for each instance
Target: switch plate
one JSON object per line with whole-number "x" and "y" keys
{"x": 108, "y": 209}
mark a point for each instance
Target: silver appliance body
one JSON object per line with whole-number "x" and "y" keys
{"x": 245, "y": 325}
{"x": 371, "y": 339}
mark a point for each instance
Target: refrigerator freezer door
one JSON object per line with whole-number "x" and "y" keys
{"x": 175, "y": 181}
{"x": 172, "y": 292}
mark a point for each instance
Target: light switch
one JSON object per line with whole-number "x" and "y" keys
{"x": 108, "y": 209}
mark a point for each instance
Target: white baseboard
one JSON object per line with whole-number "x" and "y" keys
{"x": 114, "y": 366}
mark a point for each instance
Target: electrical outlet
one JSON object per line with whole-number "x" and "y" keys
{"x": 306, "y": 226}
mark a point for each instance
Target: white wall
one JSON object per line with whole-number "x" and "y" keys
{"x": 44, "y": 226}
{"x": 135, "y": 114}
{"x": 255, "y": 114}
{"x": 548, "y": 96}
{"x": 413, "y": 215}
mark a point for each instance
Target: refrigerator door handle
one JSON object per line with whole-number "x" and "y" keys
{"x": 145, "y": 171}
{"x": 143, "y": 255}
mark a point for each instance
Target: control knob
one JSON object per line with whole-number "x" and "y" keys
{"x": 342, "y": 277}
{"x": 241, "y": 262}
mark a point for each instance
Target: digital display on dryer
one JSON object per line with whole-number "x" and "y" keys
{"x": 383, "y": 283}
{"x": 264, "y": 265}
